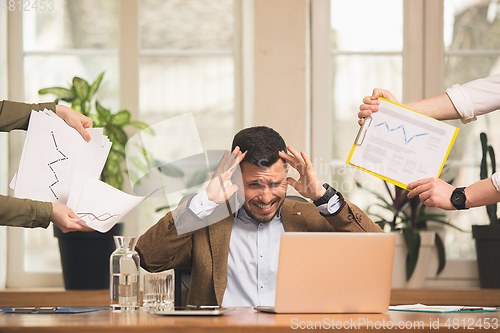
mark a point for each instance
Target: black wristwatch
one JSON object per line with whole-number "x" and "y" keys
{"x": 330, "y": 192}
{"x": 458, "y": 198}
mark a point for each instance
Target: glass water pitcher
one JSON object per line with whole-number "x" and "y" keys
{"x": 124, "y": 275}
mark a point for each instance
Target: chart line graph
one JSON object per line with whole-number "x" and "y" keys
{"x": 91, "y": 217}
{"x": 406, "y": 139}
{"x": 63, "y": 158}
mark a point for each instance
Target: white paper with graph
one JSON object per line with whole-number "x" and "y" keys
{"x": 400, "y": 145}
{"x": 52, "y": 154}
{"x": 98, "y": 204}
{"x": 58, "y": 165}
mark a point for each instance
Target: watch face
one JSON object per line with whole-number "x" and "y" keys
{"x": 458, "y": 198}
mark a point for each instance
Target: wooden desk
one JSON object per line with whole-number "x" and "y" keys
{"x": 82, "y": 298}
{"x": 245, "y": 320}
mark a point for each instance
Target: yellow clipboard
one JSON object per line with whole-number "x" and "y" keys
{"x": 396, "y": 131}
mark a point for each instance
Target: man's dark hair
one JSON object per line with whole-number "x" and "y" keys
{"x": 262, "y": 145}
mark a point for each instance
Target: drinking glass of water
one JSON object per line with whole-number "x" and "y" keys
{"x": 158, "y": 291}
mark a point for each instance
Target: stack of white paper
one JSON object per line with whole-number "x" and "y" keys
{"x": 54, "y": 162}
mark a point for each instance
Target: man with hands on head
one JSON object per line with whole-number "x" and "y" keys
{"x": 234, "y": 261}
{"x": 463, "y": 102}
{"x": 29, "y": 213}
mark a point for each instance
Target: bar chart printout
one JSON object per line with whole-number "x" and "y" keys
{"x": 401, "y": 146}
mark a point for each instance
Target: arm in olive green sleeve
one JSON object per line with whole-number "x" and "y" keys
{"x": 15, "y": 115}
{"x": 24, "y": 212}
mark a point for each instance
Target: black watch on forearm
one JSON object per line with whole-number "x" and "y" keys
{"x": 458, "y": 198}
{"x": 330, "y": 192}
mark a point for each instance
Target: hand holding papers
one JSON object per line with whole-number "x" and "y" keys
{"x": 52, "y": 154}
{"x": 400, "y": 145}
{"x": 57, "y": 165}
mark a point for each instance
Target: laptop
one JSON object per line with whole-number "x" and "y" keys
{"x": 334, "y": 272}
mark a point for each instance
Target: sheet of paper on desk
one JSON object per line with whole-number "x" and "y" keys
{"x": 401, "y": 146}
{"x": 52, "y": 154}
{"x": 441, "y": 308}
{"x": 98, "y": 204}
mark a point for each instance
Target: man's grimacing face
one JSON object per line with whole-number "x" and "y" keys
{"x": 264, "y": 189}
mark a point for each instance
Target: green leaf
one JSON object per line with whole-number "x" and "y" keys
{"x": 142, "y": 126}
{"x": 93, "y": 88}
{"x": 115, "y": 180}
{"x": 412, "y": 240}
{"x": 169, "y": 169}
{"x": 61, "y": 93}
{"x": 81, "y": 88}
{"x": 121, "y": 118}
{"x": 197, "y": 178}
{"x": 441, "y": 253}
{"x": 77, "y": 105}
{"x": 95, "y": 120}
{"x": 116, "y": 134}
{"x": 103, "y": 113}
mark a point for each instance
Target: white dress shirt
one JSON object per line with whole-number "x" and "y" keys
{"x": 252, "y": 264}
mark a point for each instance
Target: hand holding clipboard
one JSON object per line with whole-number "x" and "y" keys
{"x": 400, "y": 145}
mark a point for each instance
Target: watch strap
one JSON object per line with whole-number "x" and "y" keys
{"x": 330, "y": 192}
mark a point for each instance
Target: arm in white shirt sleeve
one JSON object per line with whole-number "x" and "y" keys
{"x": 332, "y": 206}
{"x": 476, "y": 97}
{"x": 496, "y": 180}
{"x": 201, "y": 206}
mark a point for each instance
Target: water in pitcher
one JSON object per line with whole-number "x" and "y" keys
{"x": 125, "y": 292}
{"x": 124, "y": 275}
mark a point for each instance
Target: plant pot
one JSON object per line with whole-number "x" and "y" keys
{"x": 417, "y": 280}
{"x": 85, "y": 257}
{"x": 488, "y": 254}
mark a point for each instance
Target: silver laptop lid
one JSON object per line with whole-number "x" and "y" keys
{"x": 329, "y": 272}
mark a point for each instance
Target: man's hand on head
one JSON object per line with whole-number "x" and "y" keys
{"x": 308, "y": 184}
{"x": 220, "y": 187}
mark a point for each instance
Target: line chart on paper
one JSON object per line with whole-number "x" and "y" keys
{"x": 402, "y": 128}
{"x": 92, "y": 217}
{"x": 51, "y": 164}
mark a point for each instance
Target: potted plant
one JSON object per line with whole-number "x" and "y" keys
{"x": 85, "y": 255}
{"x": 415, "y": 239}
{"x": 487, "y": 237}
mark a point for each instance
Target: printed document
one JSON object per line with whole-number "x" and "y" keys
{"x": 400, "y": 145}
